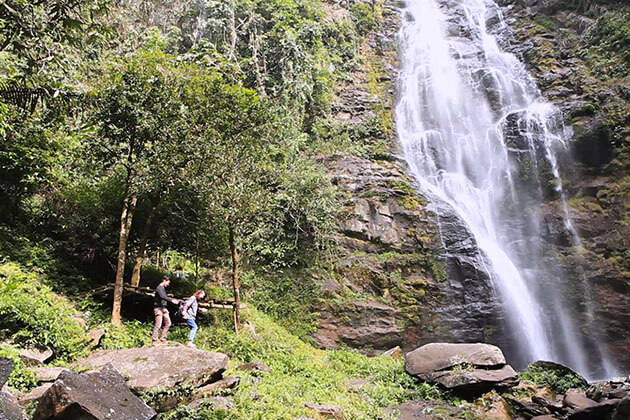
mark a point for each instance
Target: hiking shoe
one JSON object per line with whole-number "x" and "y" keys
{"x": 154, "y": 343}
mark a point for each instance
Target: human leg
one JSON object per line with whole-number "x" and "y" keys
{"x": 157, "y": 312}
{"x": 193, "y": 330}
{"x": 167, "y": 323}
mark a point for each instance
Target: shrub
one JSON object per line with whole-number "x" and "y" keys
{"x": 36, "y": 316}
{"x": 559, "y": 378}
{"x": 22, "y": 378}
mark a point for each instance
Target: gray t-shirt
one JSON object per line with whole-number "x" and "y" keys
{"x": 190, "y": 308}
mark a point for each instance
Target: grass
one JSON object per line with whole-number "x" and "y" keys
{"x": 301, "y": 373}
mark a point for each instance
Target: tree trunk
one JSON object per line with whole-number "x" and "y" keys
{"x": 235, "y": 282}
{"x": 233, "y": 34}
{"x": 144, "y": 237}
{"x": 125, "y": 225}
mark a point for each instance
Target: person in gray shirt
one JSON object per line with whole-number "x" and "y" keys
{"x": 189, "y": 313}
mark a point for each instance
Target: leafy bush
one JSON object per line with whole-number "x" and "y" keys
{"x": 34, "y": 315}
{"x": 610, "y": 38}
{"x": 559, "y": 379}
{"x": 22, "y": 378}
{"x": 363, "y": 17}
{"x": 288, "y": 297}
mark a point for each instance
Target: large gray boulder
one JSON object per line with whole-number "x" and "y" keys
{"x": 466, "y": 368}
{"x": 160, "y": 367}
{"x": 91, "y": 396}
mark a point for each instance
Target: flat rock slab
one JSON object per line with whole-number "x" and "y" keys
{"x": 438, "y": 356}
{"x": 35, "y": 393}
{"x": 6, "y": 367}
{"x": 466, "y": 368}
{"x": 48, "y": 373}
{"x": 160, "y": 367}
{"x": 475, "y": 381}
{"x": 35, "y": 356}
{"x": 99, "y": 395}
{"x": 577, "y": 399}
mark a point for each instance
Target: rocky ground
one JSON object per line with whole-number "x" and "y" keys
{"x": 477, "y": 383}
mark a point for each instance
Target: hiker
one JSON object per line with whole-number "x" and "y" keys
{"x": 160, "y": 310}
{"x": 189, "y": 313}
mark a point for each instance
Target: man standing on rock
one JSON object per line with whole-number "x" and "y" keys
{"x": 160, "y": 310}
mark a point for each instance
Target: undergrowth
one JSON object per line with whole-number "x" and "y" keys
{"x": 301, "y": 373}
{"x": 558, "y": 379}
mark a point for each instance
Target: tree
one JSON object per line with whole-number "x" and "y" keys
{"x": 142, "y": 136}
{"x": 236, "y": 128}
{"x": 37, "y": 33}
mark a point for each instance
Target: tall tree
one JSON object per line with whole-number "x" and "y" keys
{"x": 237, "y": 128}
{"x": 143, "y": 134}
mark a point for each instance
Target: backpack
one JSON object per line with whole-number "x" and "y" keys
{"x": 180, "y": 309}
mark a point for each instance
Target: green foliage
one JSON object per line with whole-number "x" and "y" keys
{"x": 558, "y": 379}
{"x": 364, "y": 17}
{"x": 37, "y": 256}
{"x": 34, "y": 315}
{"x": 205, "y": 411}
{"x": 22, "y": 378}
{"x": 38, "y": 34}
{"x": 301, "y": 373}
{"x": 287, "y": 296}
{"x": 610, "y": 39}
{"x": 130, "y": 334}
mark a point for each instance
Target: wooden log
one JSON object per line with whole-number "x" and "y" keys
{"x": 149, "y": 292}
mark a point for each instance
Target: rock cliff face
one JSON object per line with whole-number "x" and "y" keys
{"x": 406, "y": 277}
{"x": 403, "y": 276}
{"x": 564, "y": 43}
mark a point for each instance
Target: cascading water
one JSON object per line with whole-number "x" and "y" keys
{"x": 477, "y": 134}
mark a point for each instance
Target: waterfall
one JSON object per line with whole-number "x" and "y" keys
{"x": 478, "y": 135}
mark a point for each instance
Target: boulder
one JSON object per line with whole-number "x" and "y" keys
{"x": 439, "y": 356}
{"x": 6, "y": 366}
{"x": 160, "y": 367}
{"x": 94, "y": 396}
{"x": 466, "y": 368}
{"x": 623, "y": 410}
{"x": 10, "y": 409}
{"x": 34, "y": 356}
{"x": 577, "y": 400}
{"x": 598, "y": 411}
